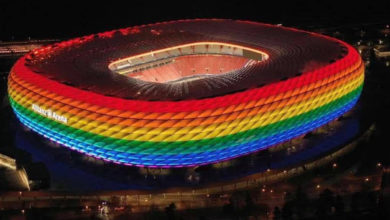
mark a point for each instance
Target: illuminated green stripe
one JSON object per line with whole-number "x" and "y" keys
{"x": 186, "y": 146}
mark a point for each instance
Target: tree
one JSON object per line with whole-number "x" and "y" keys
{"x": 277, "y": 213}
{"x": 249, "y": 205}
{"x": 153, "y": 213}
{"x": 325, "y": 203}
{"x": 170, "y": 211}
{"x": 339, "y": 205}
{"x": 355, "y": 200}
{"x": 300, "y": 202}
{"x": 287, "y": 211}
{"x": 228, "y": 209}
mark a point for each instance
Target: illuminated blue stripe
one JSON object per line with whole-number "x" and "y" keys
{"x": 184, "y": 159}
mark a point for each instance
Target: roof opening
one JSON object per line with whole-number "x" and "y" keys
{"x": 187, "y": 62}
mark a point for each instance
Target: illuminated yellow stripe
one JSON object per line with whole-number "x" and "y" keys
{"x": 66, "y": 111}
{"x": 113, "y": 121}
{"x": 201, "y": 132}
{"x": 182, "y": 115}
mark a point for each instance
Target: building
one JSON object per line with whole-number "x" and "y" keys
{"x": 185, "y": 93}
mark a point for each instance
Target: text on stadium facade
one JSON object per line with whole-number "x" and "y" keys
{"x": 49, "y": 114}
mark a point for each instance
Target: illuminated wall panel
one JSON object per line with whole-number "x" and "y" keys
{"x": 187, "y": 132}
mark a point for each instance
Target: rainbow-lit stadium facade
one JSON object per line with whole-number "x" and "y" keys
{"x": 306, "y": 81}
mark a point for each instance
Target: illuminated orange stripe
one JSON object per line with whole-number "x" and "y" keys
{"x": 184, "y": 115}
{"x": 274, "y": 105}
{"x": 176, "y": 123}
{"x": 143, "y": 122}
{"x": 197, "y": 133}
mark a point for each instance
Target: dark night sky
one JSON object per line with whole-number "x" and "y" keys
{"x": 63, "y": 19}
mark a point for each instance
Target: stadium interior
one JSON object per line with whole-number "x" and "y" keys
{"x": 187, "y": 62}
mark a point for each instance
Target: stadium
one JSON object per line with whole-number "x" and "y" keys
{"x": 185, "y": 93}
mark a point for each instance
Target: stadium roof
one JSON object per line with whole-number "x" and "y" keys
{"x": 83, "y": 62}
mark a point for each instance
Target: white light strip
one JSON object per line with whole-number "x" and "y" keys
{"x": 114, "y": 65}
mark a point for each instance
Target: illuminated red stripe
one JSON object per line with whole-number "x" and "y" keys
{"x": 186, "y": 105}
